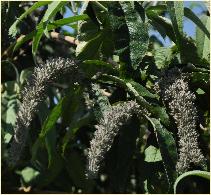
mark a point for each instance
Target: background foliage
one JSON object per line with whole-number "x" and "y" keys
{"x": 117, "y": 52}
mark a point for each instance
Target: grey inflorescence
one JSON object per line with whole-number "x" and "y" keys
{"x": 107, "y": 129}
{"x": 175, "y": 92}
{"x": 32, "y": 94}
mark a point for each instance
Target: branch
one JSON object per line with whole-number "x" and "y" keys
{"x": 69, "y": 39}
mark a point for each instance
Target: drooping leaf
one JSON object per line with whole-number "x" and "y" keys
{"x": 198, "y": 173}
{"x": 120, "y": 157}
{"x": 189, "y": 14}
{"x": 138, "y": 33}
{"x": 152, "y": 154}
{"x": 76, "y": 170}
{"x": 168, "y": 149}
{"x": 13, "y": 28}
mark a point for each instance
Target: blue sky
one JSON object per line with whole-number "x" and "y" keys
{"x": 189, "y": 27}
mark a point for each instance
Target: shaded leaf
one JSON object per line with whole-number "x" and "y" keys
{"x": 203, "y": 174}
{"x": 91, "y": 67}
{"x": 168, "y": 149}
{"x": 138, "y": 33}
{"x": 90, "y": 49}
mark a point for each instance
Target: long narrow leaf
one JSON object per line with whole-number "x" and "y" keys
{"x": 189, "y": 14}
{"x": 13, "y": 28}
{"x": 202, "y": 42}
{"x": 138, "y": 31}
{"x": 53, "y": 8}
{"x": 163, "y": 23}
{"x": 168, "y": 149}
{"x": 51, "y": 26}
{"x": 176, "y": 11}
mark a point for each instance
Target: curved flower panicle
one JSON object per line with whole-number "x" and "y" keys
{"x": 107, "y": 129}
{"x": 175, "y": 92}
{"x": 32, "y": 94}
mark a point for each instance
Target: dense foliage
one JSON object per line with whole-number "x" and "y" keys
{"x": 105, "y": 108}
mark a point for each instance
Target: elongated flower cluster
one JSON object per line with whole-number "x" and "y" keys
{"x": 107, "y": 129}
{"x": 32, "y": 94}
{"x": 175, "y": 92}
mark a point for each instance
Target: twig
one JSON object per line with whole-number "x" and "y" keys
{"x": 69, "y": 39}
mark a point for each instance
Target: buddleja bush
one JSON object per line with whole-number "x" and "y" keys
{"x": 107, "y": 108}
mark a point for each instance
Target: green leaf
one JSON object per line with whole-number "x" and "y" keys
{"x": 50, "y": 26}
{"x": 73, "y": 114}
{"x": 47, "y": 127}
{"x": 52, "y": 118}
{"x": 162, "y": 24}
{"x": 28, "y": 174}
{"x": 87, "y": 30}
{"x": 76, "y": 170}
{"x": 176, "y": 11}
{"x": 138, "y": 32}
{"x": 90, "y": 49}
{"x": 128, "y": 87}
{"x": 13, "y": 28}
{"x": 157, "y": 8}
{"x": 53, "y": 8}
{"x": 25, "y": 75}
{"x": 168, "y": 149}
{"x": 200, "y": 78}
{"x": 91, "y": 67}
{"x": 74, "y": 127}
{"x": 101, "y": 102}
{"x": 189, "y": 14}
{"x": 120, "y": 156}
{"x": 163, "y": 57}
{"x": 202, "y": 42}
{"x": 160, "y": 113}
{"x": 203, "y": 174}
{"x": 36, "y": 40}
{"x": 200, "y": 91}
{"x": 144, "y": 92}
{"x": 152, "y": 154}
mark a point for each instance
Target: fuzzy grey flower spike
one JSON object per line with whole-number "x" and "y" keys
{"x": 107, "y": 129}
{"x": 175, "y": 92}
{"x": 32, "y": 95}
